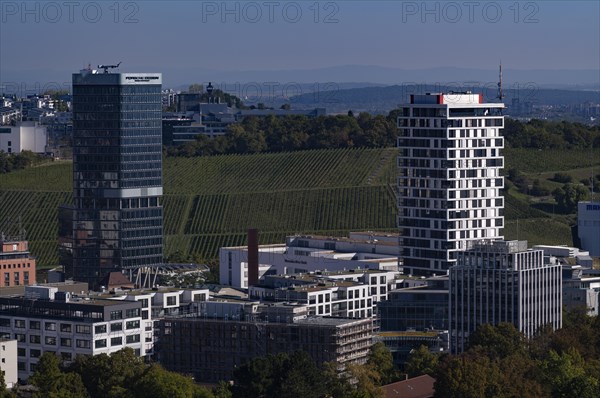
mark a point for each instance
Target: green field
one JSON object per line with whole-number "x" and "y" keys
{"x": 211, "y": 201}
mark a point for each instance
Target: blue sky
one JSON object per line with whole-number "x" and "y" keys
{"x": 53, "y": 38}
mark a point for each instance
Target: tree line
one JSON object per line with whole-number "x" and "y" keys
{"x": 501, "y": 362}
{"x": 125, "y": 375}
{"x": 290, "y": 133}
{"x": 18, "y": 161}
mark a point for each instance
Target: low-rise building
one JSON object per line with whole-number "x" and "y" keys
{"x": 45, "y": 320}
{"x": 321, "y": 296}
{"x": 422, "y": 307}
{"x": 310, "y": 253}
{"x": 588, "y": 226}
{"x": 24, "y": 136}
{"x": 17, "y": 265}
{"x": 8, "y": 361}
{"x": 581, "y": 289}
{"x": 211, "y": 348}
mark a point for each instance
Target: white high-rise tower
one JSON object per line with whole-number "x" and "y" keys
{"x": 449, "y": 181}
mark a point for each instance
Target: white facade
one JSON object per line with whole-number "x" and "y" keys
{"x": 502, "y": 281}
{"x": 25, "y": 136}
{"x": 588, "y": 226}
{"x": 338, "y": 299}
{"x": 449, "y": 177}
{"x": 157, "y": 304}
{"x": 304, "y": 254}
{"x": 68, "y": 327}
{"x": 8, "y": 361}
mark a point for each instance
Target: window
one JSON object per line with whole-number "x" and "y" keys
{"x": 21, "y": 352}
{"x": 50, "y": 326}
{"x": 116, "y": 315}
{"x": 20, "y": 323}
{"x": 20, "y": 338}
{"x": 83, "y": 329}
{"x": 116, "y": 341}
{"x": 66, "y": 356}
{"x": 133, "y": 313}
{"x": 100, "y": 343}
{"x": 65, "y": 342}
{"x": 4, "y": 322}
{"x": 35, "y": 353}
{"x": 100, "y": 329}
{"x": 83, "y": 343}
{"x": 135, "y": 338}
{"x": 34, "y": 325}
{"x": 50, "y": 340}
{"x": 21, "y": 366}
{"x": 145, "y": 314}
{"x": 144, "y": 303}
{"x": 115, "y": 327}
{"x": 132, "y": 324}
{"x": 65, "y": 328}
{"x": 172, "y": 300}
{"x": 34, "y": 339}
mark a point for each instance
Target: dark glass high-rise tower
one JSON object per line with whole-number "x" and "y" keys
{"x": 117, "y": 173}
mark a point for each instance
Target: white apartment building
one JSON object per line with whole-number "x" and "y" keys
{"x": 311, "y": 253}
{"x": 156, "y": 304}
{"x": 25, "y": 136}
{"x": 501, "y": 281}
{"x": 46, "y": 320}
{"x": 323, "y": 298}
{"x": 449, "y": 177}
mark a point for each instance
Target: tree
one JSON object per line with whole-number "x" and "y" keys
{"x": 381, "y": 360}
{"x": 498, "y": 341}
{"x": 469, "y": 375}
{"x": 569, "y": 196}
{"x": 157, "y": 382}
{"x": 566, "y": 375}
{"x": 52, "y": 382}
{"x": 109, "y": 376}
{"x": 421, "y": 361}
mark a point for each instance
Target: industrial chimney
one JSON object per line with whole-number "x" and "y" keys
{"x": 252, "y": 257}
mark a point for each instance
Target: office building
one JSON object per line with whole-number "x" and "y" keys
{"x": 17, "y": 265}
{"x": 117, "y": 175}
{"x": 502, "y": 281}
{"x": 449, "y": 177}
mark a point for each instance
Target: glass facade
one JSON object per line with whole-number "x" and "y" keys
{"x": 117, "y": 174}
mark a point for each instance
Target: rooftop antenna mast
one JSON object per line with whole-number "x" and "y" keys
{"x": 107, "y": 67}
{"x": 500, "y": 95}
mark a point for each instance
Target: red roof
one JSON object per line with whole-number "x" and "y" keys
{"x": 417, "y": 387}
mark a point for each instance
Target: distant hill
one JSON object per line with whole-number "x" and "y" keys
{"x": 387, "y": 98}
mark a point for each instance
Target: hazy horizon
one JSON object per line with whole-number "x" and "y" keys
{"x": 382, "y": 42}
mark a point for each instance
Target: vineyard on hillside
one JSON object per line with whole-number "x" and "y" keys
{"x": 210, "y": 202}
